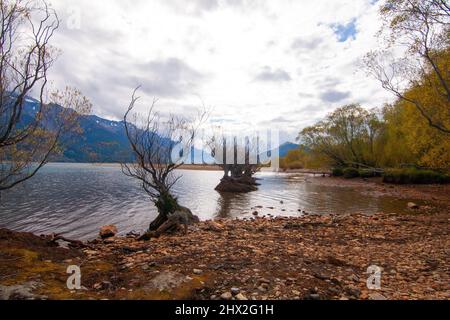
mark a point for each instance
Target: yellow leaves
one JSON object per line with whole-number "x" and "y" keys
{"x": 409, "y": 137}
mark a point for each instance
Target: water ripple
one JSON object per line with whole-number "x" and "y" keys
{"x": 77, "y": 199}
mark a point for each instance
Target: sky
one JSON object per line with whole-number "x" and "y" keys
{"x": 254, "y": 64}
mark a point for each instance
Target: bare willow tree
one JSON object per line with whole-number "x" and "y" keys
{"x": 160, "y": 147}
{"x": 423, "y": 28}
{"x": 28, "y": 138}
{"x": 239, "y": 159}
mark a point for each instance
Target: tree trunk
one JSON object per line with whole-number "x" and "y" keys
{"x": 158, "y": 222}
{"x": 166, "y": 204}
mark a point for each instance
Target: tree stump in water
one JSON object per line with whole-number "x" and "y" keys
{"x": 242, "y": 184}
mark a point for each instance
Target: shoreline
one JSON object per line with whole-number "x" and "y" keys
{"x": 309, "y": 257}
{"x": 314, "y": 257}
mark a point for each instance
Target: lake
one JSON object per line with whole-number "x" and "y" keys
{"x": 77, "y": 199}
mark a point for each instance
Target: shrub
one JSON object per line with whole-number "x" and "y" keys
{"x": 414, "y": 176}
{"x": 337, "y": 172}
{"x": 351, "y": 173}
{"x": 295, "y": 165}
{"x": 367, "y": 173}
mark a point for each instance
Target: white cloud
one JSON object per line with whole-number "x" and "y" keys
{"x": 215, "y": 51}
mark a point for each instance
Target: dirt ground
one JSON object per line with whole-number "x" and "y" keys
{"x": 312, "y": 257}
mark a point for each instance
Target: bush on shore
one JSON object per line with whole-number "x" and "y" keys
{"x": 369, "y": 173}
{"x": 337, "y": 172}
{"x": 295, "y": 165}
{"x": 351, "y": 173}
{"x": 414, "y": 176}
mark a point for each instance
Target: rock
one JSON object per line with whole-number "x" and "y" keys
{"x": 353, "y": 278}
{"x": 226, "y": 296}
{"x": 376, "y": 296}
{"x": 197, "y": 271}
{"x": 109, "y": 240}
{"x": 334, "y": 291}
{"x": 413, "y": 206}
{"x": 235, "y": 291}
{"x": 262, "y": 289}
{"x": 20, "y": 292}
{"x": 291, "y": 280}
{"x": 353, "y": 291}
{"x": 213, "y": 226}
{"x": 313, "y": 296}
{"x": 108, "y": 231}
{"x": 104, "y": 285}
{"x": 241, "y": 297}
{"x": 166, "y": 281}
{"x": 255, "y": 213}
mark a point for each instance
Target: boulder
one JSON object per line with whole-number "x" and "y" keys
{"x": 108, "y": 231}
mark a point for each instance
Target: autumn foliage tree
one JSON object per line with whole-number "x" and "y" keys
{"x": 347, "y": 137}
{"x": 420, "y": 77}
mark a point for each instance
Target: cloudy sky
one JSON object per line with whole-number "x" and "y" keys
{"x": 283, "y": 64}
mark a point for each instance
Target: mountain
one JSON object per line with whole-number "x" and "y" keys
{"x": 101, "y": 140}
{"x": 284, "y": 149}
{"x": 105, "y": 140}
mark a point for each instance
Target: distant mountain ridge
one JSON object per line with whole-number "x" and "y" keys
{"x": 102, "y": 140}
{"x": 283, "y": 150}
{"x": 105, "y": 141}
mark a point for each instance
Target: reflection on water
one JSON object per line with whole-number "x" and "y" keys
{"x": 77, "y": 199}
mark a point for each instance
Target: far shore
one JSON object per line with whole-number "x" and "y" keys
{"x": 207, "y": 167}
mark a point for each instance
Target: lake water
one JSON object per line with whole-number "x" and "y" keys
{"x": 77, "y": 199}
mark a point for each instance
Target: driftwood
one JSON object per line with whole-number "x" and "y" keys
{"x": 54, "y": 237}
{"x": 178, "y": 220}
